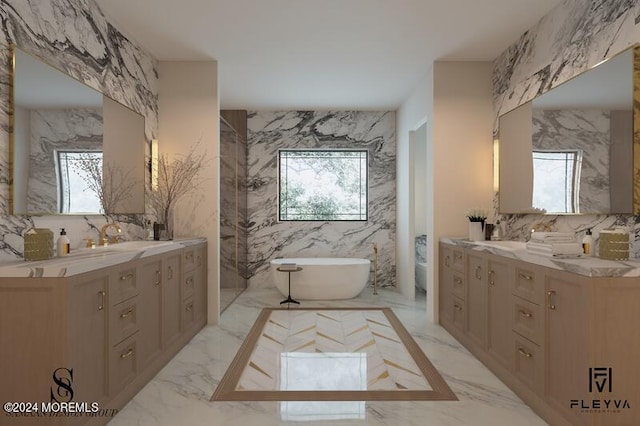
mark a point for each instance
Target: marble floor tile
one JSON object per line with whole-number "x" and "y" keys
{"x": 180, "y": 392}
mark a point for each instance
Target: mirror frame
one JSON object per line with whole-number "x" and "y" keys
{"x": 11, "y": 207}
{"x": 635, "y": 48}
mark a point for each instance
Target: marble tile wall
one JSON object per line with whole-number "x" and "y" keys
{"x": 421, "y": 248}
{"x": 269, "y": 239}
{"x": 573, "y": 37}
{"x": 76, "y": 37}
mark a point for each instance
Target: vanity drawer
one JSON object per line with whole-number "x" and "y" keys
{"x": 457, "y": 260}
{"x": 528, "y": 364}
{"x": 188, "y": 313}
{"x": 527, "y": 319}
{"x": 188, "y": 285}
{"x": 123, "y": 285}
{"x": 458, "y": 287}
{"x": 123, "y": 321}
{"x": 123, "y": 364}
{"x": 458, "y": 312}
{"x": 528, "y": 285}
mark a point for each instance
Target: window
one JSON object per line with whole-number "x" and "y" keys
{"x": 76, "y": 171}
{"x": 322, "y": 185}
{"x": 556, "y": 177}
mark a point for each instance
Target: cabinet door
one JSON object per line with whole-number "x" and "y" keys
{"x": 150, "y": 309}
{"x": 566, "y": 344}
{"x": 499, "y": 324}
{"x": 200, "y": 290}
{"x": 476, "y": 299}
{"x": 88, "y": 310}
{"x": 446, "y": 278}
{"x": 171, "y": 299}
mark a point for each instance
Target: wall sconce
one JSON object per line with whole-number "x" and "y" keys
{"x": 496, "y": 165}
{"x": 154, "y": 164}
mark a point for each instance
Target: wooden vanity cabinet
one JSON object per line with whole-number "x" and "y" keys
{"x": 115, "y": 328}
{"x": 541, "y": 330}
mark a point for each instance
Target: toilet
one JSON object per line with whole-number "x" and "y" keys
{"x": 421, "y": 276}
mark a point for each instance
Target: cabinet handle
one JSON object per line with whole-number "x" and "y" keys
{"x": 525, "y": 276}
{"x": 458, "y": 307}
{"x": 189, "y": 282}
{"x": 127, "y": 354}
{"x": 524, "y": 353}
{"x": 478, "y": 272}
{"x": 199, "y": 262}
{"x": 103, "y": 296}
{"x": 126, "y": 277}
{"x": 550, "y": 304}
{"x": 190, "y": 307}
{"x": 447, "y": 261}
{"x": 126, "y": 314}
{"x": 189, "y": 256}
{"x": 170, "y": 272}
{"x": 525, "y": 313}
{"x": 457, "y": 281}
{"x": 491, "y": 275}
{"x": 457, "y": 256}
{"x": 158, "y": 278}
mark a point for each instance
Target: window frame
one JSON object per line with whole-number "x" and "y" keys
{"x": 575, "y": 178}
{"x": 58, "y": 153}
{"x": 279, "y": 183}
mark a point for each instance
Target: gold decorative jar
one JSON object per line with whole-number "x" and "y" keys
{"x": 614, "y": 244}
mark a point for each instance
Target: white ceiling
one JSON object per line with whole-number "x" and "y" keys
{"x": 323, "y": 54}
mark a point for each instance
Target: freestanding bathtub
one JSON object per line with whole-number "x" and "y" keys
{"x": 322, "y": 278}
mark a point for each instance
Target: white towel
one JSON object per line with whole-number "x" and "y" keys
{"x": 555, "y": 249}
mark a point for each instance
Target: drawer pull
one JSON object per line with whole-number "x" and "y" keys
{"x": 550, "y": 304}
{"x": 189, "y": 307}
{"x": 525, "y": 313}
{"x": 199, "y": 262}
{"x": 158, "y": 278}
{"x": 189, "y": 282}
{"x": 103, "y": 296}
{"x": 458, "y": 307}
{"x": 189, "y": 256}
{"x": 524, "y": 353}
{"x": 525, "y": 276}
{"x": 478, "y": 272}
{"x": 457, "y": 257}
{"x": 447, "y": 261}
{"x": 127, "y": 354}
{"x": 170, "y": 272}
{"x": 491, "y": 275}
{"x": 126, "y": 277}
{"x": 126, "y": 314}
{"x": 457, "y": 281}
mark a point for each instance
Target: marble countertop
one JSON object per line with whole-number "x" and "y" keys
{"x": 587, "y": 266}
{"x": 90, "y": 259}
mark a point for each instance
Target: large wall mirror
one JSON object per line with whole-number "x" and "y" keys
{"x": 570, "y": 150}
{"x": 75, "y": 151}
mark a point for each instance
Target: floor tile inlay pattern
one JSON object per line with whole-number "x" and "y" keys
{"x": 331, "y": 354}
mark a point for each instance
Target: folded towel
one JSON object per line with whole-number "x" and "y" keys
{"x": 554, "y": 249}
{"x": 553, "y": 237}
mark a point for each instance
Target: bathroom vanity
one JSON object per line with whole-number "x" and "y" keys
{"x": 563, "y": 334}
{"x": 100, "y": 323}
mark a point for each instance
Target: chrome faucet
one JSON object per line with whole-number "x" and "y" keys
{"x": 105, "y": 240}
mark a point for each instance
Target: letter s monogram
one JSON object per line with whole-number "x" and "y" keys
{"x": 63, "y": 377}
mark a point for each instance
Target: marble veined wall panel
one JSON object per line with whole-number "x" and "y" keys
{"x": 76, "y": 37}
{"x": 570, "y": 39}
{"x": 269, "y": 238}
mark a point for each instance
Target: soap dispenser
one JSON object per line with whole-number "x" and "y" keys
{"x": 588, "y": 244}
{"x": 63, "y": 244}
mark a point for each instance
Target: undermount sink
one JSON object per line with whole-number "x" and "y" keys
{"x": 135, "y": 245}
{"x": 503, "y": 245}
